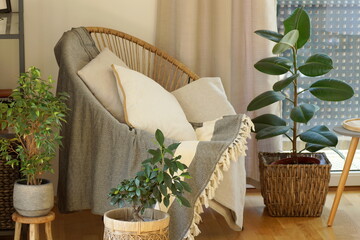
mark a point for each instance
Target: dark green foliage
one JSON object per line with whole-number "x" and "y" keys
{"x": 35, "y": 116}
{"x": 161, "y": 176}
{"x": 297, "y": 34}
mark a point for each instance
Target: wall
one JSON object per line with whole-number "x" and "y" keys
{"x": 46, "y": 20}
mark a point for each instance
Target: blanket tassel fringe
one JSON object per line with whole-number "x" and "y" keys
{"x": 236, "y": 149}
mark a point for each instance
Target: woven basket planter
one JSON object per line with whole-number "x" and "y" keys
{"x": 294, "y": 190}
{"x": 118, "y": 226}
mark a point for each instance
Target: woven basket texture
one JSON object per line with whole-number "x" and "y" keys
{"x": 156, "y": 235}
{"x": 294, "y": 190}
{"x": 8, "y": 176}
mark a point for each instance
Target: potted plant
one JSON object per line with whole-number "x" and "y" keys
{"x": 296, "y": 186}
{"x": 160, "y": 179}
{"x": 34, "y": 116}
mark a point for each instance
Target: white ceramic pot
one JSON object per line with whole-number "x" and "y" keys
{"x": 33, "y": 200}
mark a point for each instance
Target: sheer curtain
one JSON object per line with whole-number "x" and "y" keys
{"x": 216, "y": 38}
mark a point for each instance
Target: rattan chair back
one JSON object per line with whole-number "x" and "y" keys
{"x": 144, "y": 57}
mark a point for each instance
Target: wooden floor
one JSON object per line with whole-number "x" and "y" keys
{"x": 257, "y": 224}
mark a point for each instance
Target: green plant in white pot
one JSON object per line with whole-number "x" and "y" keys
{"x": 297, "y": 33}
{"x": 161, "y": 178}
{"x": 35, "y": 117}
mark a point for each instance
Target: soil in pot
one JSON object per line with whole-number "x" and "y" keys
{"x": 297, "y": 160}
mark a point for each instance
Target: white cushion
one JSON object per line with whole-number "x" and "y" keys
{"x": 148, "y": 106}
{"x": 204, "y": 100}
{"x": 99, "y": 78}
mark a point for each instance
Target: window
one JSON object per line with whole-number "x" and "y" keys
{"x": 335, "y": 32}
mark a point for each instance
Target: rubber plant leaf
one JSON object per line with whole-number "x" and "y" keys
{"x": 313, "y": 147}
{"x": 319, "y": 135}
{"x": 267, "y": 120}
{"x": 272, "y": 132}
{"x": 265, "y": 99}
{"x": 280, "y": 85}
{"x": 317, "y": 65}
{"x": 271, "y": 35}
{"x": 303, "y": 113}
{"x": 287, "y": 42}
{"x": 274, "y": 65}
{"x": 331, "y": 90}
{"x": 299, "y": 20}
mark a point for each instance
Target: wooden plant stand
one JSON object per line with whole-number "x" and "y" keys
{"x": 34, "y": 225}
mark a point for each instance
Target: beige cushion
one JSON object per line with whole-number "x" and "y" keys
{"x": 204, "y": 100}
{"x": 99, "y": 78}
{"x": 148, "y": 106}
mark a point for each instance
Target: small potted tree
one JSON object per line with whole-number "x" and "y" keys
{"x": 298, "y": 184}
{"x": 34, "y": 116}
{"x": 160, "y": 179}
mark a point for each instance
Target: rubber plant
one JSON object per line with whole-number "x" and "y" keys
{"x": 297, "y": 33}
{"x": 35, "y": 116}
{"x": 160, "y": 178}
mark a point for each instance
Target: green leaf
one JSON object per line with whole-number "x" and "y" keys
{"x": 331, "y": 90}
{"x": 271, "y": 35}
{"x": 167, "y": 200}
{"x": 303, "y": 113}
{"x": 185, "y": 175}
{"x": 274, "y": 65}
{"x": 320, "y": 135}
{"x": 167, "y": 180}
{"x": 160, "y": 176}
{"x": 272, "y": 132}
{"x": 299, "y": 20}
{"x": 163, "y": 189}
{"x": 314, "y": 147}
{"x": 183, "y": 201}
{"x": 186, "y": 186}
{"x": 138, "y": 193}
{"x": 267, "y": 120}
{"x": 287, "y": 42}
{"x": 265, "y": 99}
{"x": 338, "y": 152}
{"x": 317, "y": 65}
{"x": 180, "y": 166}
{"x": 173, "y": 146}
{"x": 159, "y": 137}
{"x": 280, "y": 85}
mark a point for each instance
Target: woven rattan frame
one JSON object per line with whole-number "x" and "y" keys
{"x": 294, "y": 190}
{"x": 144, "y": 57}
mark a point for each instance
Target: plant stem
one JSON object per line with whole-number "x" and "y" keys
{"x": 294, "y": 148}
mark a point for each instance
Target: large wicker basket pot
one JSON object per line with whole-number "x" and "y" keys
{"x": 294, "y": 190}
{"x": 119, "y": 227}
{"x": 33, "y": 200}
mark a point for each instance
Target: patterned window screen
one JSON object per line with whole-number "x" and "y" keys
{"x": 335, "y": 32}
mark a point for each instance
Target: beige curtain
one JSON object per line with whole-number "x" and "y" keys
{"x": 216, "y": 38}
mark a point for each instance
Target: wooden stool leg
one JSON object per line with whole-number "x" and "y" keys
{"x": 48, "y": 231}
{"x": 17, "y": 231}
{"x": 349, "y": 158}
{"x": 34, "y": 232}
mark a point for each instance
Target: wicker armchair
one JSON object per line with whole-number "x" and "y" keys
{"x": 138, "y": 55}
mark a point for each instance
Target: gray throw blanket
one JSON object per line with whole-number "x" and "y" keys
{"x": 99, "y": 151}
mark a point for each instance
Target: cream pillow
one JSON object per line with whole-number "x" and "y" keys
{"x": 204, "y": 100}
{"x": 99, "y": 78}
{"x": 148, "y": 106}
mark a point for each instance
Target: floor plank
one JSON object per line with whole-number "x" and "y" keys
{"x": 258, "y": 225}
